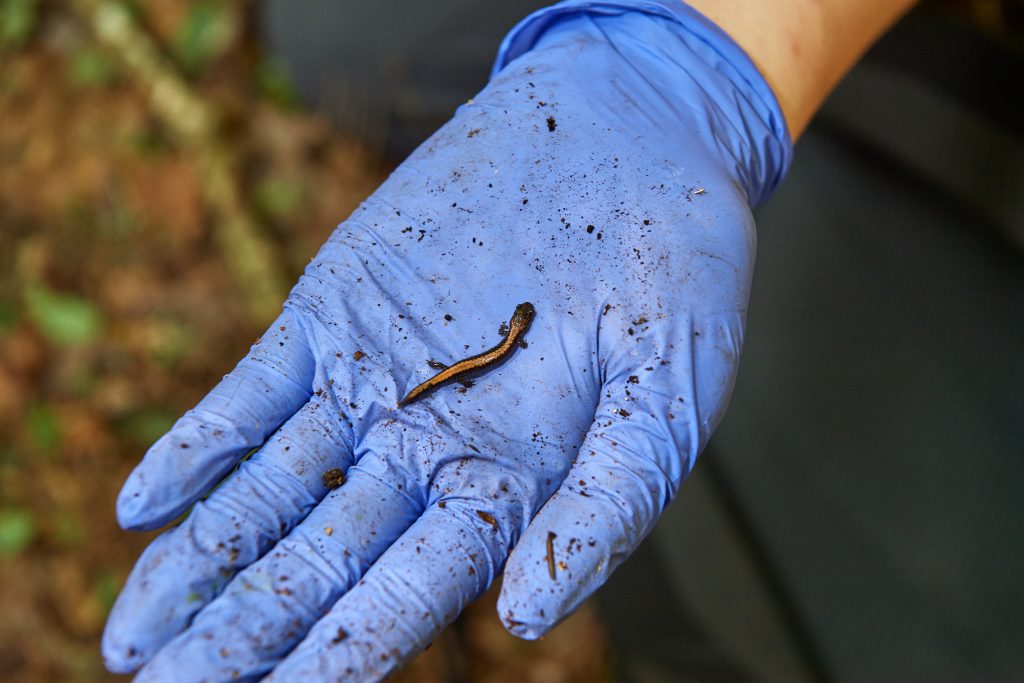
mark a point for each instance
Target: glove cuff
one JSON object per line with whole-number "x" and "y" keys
{"x": 764, "y": 149}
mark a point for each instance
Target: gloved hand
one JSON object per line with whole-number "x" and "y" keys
{"x": 605, "y": 175}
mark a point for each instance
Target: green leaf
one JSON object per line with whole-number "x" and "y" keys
{"x": 17, "y": 19}
{"x": 143, "y": 428}
{"x": 8, "y": 316}
{"x": 64, "y": 319}
{"x": 275, "y": 83}
{"x": 151, "y": 142}
{"x": 105, "y": 588}
{"x": 174, "y": 340}
{"x": 91, "y": 68}
{"x": 43, "y": 428}
{"x": 66, "y": 528}
{"x": 8, "y": 457}
{"x": 17, "y": 529}
{"x": 206, "y": 33}
{"x": 278, "y": 197}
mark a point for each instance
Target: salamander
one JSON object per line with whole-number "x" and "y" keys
{"x": 482, "y": 362}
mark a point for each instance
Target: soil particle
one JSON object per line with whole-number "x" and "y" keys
{"x": 333, "y": 478}
{"x": 488, "y": 517}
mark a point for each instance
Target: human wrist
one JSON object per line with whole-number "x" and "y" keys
{"x": 803, "y": 47}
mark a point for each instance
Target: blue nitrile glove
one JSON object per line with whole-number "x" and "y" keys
{"x": 606, "y": 175}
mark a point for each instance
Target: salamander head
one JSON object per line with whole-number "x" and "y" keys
{"x": 523, "y": 316}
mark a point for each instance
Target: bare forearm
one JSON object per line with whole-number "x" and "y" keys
{"x": 803, "y": 47}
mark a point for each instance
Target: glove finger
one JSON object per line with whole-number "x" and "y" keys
{"x": 272, "y": 382}
{"x": 646, "y": 435}
{"x": 268, "y": 607}
{"x": 445, "y": 561}
{"x": 188, "y": 566}
{"x": 577, "y": 540}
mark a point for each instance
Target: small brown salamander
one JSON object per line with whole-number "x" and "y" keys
{"x": 461, "y": 371}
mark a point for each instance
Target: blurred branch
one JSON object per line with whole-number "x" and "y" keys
{"x": 196, "y": 124}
